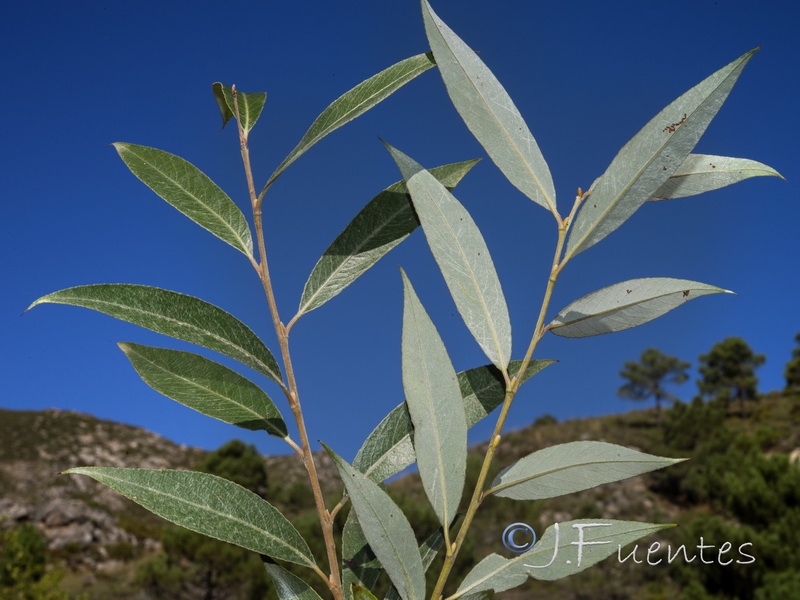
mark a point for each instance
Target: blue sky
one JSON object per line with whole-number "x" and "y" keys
{"x": 585, "y": 75}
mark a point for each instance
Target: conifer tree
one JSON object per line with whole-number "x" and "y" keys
{"x": 728, "y": 372}
{"x": 647, "y": 378}
{"x": 792, "y": 371}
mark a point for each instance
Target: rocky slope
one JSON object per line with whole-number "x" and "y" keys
{"x": 76, "y": 512}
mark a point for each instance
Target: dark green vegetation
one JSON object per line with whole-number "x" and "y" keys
{"x": 738, "y": 497}
{"x": 647, "y": 378}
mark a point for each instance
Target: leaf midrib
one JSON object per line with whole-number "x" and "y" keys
{"x": 517, "y": 151}
{"x": 349, "y": 258}
{"x": 209, "y": 390}
{"x": 434, "y": 420}
{"x": 310, "y": 139}
{"x": 504, "y": 486}
{"x": 623, "y": 307}
{"x": 208, "y": 510}
{"x": 489, "y": 320}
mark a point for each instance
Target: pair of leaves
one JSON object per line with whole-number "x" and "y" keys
{"x": 250, "y": 105}
{"x": 193, "y": 380}
{"x": 651, "y": 157}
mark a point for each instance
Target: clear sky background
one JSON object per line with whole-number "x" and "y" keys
{"x": 586, "y": 76}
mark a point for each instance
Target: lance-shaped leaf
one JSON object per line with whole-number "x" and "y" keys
{"x": 462, "y": 256}
{"x": 387, "y": 530}
{"x": 359, "y": 563}
{"x": 206, "y": 386}
{"x": 189, "y": 190}
{"x": 434, "y": 403}
{"x": 489, "y": 112}
{"x": 651, "y": 157}
{"x": 427, "y": 552}
{"x": 564, "y": 549}
{"x": 627, "y": 304}
{"x": 382, "y": 224}
{"x": 568, "y": 468}
{"x": 700, "y": 173}
{"x": 250, "y": 105}
{"x": 355, "y": 103}
{"x": 388, "y": 449}
{"x": 177, "y": 315}
{"x": 289, "y": 586}
{"x": 209, "y": 505}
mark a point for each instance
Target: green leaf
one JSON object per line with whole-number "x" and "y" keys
{"x": 434, "y": 403}
{"x": 462, "y": 256}
{"x": 387, "y": 530}
{"x": 209, "y": 505}
{"x": 206, "y": 386}
{"x": 382, "y": 224}
{"x": 225, "y": 109}
{"x": 189, "y": 190}
{"x": 289, "y": 586}
{"x": 700, "y": 173}
{"x": 627, "y": 304}
{"x": 177, "y": 315}
{"x": 388, "y": 449}
{"x": 565, "y": 549}
{"x": 427, "y": 552}
{"x": 361, "y": 593}
{"x": 568, "y": 468}
{"x": 489, "y": 112}
{"x": 651, "y": 158}
{"x": 355, "y": 103}
{"x": 250, "y": 105}
{"x": 359, "y": 564}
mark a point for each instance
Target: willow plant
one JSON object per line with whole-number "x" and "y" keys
{"x": 430, "y": 427}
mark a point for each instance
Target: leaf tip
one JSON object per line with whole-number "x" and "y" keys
{"x": 36, "y": 302}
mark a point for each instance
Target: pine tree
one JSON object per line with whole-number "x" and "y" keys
{"x": 728, "y": 372}
{"x": 647, "y": 378}
{"x": 792, "y": 371}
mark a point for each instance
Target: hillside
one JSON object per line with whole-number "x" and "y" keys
{"x": 99, "y": 539}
